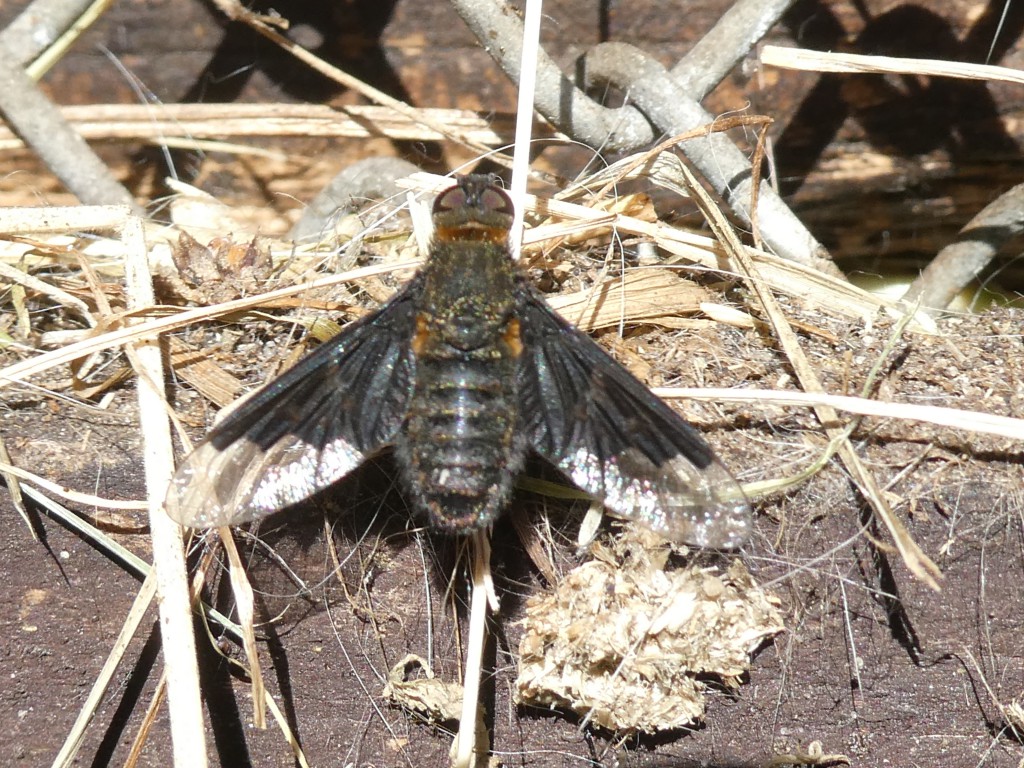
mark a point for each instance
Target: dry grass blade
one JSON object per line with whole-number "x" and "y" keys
{"x": 139, "y": 742}
{"x": 466, "y": 741}
{"x": 7, "y": 468}
{"x": 91, "y": 533}
{"x": 44, "y": 288}
{"x": 175, "y": 123}
{"x": 913, "y": 556}
{"x": 969, "y": 421}
{"x": 187, "y": 730}
{"x": 152, "y": 328}
{"x": 853, "y": 63}
{"x": 34, "y": 221}
{"x": 524, "y": 120}
{"x": 68, "y": 751}
{"x": 282, "y": 723}
{"x": 56, "y": 50}
{"x": 243, "y": 635}
{"x": 244, "y": 603}
{"x": 11, "y": 478}
{"x": 1012, "y": 713}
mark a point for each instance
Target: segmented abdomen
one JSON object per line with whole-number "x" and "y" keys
{"x": 458, "y": 449}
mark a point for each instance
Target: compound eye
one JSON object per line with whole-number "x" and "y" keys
{"x": 478, "y": 193}
{"x": 494, "y": 200}
{"x": 450, "y": 200}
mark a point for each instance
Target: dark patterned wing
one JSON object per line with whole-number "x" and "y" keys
{"x": 592, "y": 419}
{"x": 306, "y": 429}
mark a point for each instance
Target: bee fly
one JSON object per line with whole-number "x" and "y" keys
{"x": 463, "y": 373}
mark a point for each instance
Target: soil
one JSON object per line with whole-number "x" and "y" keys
{"x": 874, "y": 665}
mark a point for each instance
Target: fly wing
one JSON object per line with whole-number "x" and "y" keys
{"x": 306, "y": 429}
{"x": 614, "y": 439}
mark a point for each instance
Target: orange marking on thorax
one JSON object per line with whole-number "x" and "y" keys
{"x": 513, "y": 338}
{"x": 421, "y": 336}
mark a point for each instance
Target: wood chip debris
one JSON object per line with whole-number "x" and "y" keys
{"x": 627, "y": 642}
{"x": 433, "y": 699}
{"x": 436, "y": 700}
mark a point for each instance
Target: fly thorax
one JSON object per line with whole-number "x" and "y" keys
{"x": 467, "y": 328}
{"x": 468, "y": 295}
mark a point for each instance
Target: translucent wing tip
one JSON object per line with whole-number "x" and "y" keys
{"x": 192, "y": 499}
{"x": 707, "y": 509}
{"x": 726, "y": 525}
{"x": 702, "y": 506}
{"x": 245, "y": 481}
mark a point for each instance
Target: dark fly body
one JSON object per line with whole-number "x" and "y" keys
{"x": 463, "y": 374}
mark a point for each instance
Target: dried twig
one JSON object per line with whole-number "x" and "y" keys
{"x": 38, "y": 26}
{"x": 500, "y": 31}
{"x": 38, "y": 121}
{"x": 732, "y": 37}
{"x": 653, "y": 90}
{"x": 975, "y": 246}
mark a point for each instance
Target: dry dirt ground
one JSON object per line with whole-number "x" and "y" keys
{"x": 873, "y": 665}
